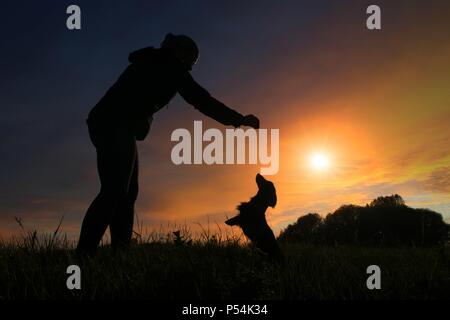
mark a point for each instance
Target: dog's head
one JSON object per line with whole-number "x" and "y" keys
{"x": 266, "y": 190}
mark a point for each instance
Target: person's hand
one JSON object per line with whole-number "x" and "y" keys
{"x": 251, "y": 121}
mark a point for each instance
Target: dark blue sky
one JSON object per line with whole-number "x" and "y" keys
{"x": 51, "y": 77}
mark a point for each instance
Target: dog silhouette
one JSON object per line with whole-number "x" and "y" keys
{"x": 252, "y": 219}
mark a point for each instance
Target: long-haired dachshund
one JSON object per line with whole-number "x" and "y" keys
{"x": 252, "y": 219}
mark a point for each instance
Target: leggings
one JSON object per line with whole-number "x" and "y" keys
{"x": 117, "y": 165}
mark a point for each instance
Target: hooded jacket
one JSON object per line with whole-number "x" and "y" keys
{"x": 152, "y": 79}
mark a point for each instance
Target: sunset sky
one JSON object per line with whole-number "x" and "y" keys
{"x": 376, "y": 104}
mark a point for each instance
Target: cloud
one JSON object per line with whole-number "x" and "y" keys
{"x": 439, "y": 180}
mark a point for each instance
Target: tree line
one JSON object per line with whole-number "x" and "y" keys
{"x": 386, "y": 221}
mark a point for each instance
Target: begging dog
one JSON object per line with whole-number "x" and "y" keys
{"x": 252, "y": 219}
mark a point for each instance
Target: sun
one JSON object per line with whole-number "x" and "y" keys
{"x": 319, "y": 161}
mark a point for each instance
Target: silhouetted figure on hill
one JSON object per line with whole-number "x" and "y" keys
{"x": 124, "y": 115}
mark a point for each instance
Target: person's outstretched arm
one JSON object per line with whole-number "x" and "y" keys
{"x": 197, "y": 96}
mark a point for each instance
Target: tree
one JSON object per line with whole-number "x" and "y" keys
{"x": 389, "y": 201}
{"x": 306, "y": 229}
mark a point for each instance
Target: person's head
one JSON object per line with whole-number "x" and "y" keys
{"x": 182, "y": 47}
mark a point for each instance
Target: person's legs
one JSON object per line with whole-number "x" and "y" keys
{"x": 116, "y": 156}
{"x": 121, "y": 226}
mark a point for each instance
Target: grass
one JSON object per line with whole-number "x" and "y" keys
{"x": 215, "y": 267}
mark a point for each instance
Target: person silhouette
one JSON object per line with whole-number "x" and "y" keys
{"x": 124, "y": 115}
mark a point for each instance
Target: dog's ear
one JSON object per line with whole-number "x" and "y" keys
{"x": 273, "y": 200}
{"x": 235, "y": 221}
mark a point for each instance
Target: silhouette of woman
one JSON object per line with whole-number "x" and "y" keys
{"x": 124, "y": 115}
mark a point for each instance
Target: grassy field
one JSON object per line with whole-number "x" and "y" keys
{"x": 211, "y": 268}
